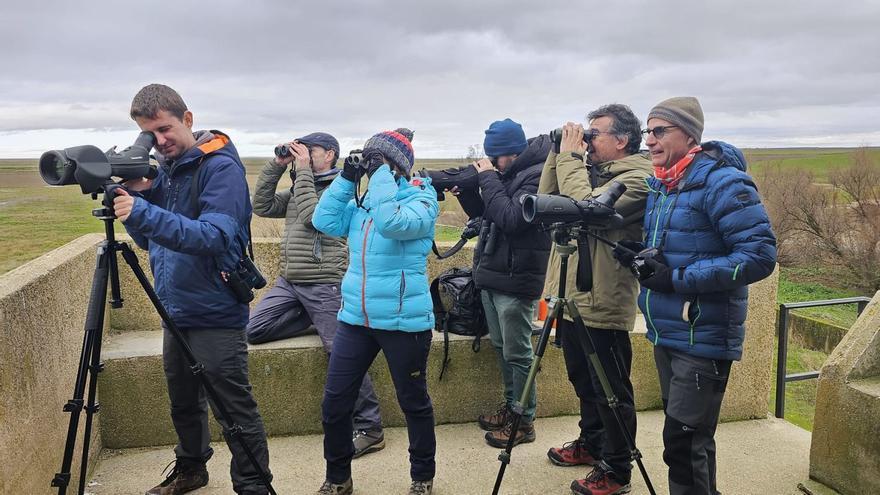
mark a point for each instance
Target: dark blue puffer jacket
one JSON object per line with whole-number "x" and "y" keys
{"x": 188, "y": 248}
{"x": 715, "y": 235}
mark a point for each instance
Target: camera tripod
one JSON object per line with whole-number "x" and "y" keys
{"x": 562, "y": 236}
{"x": 107, "y": 272}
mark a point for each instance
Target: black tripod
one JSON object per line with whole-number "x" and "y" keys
{"x": 107, "y": 270}
{"x": 562, "y": 236}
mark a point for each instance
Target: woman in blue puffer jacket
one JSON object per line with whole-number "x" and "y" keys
{"x": 386, "y": 304}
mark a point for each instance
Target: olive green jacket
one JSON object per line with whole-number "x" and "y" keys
{"x": 611, "y": 304}
{"x": 307, "y": 256}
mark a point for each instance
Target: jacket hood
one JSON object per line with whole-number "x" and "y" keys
{"x": 536, "y": 152}
{"x": 207, "y": 142}
{"x": 715, "y": 155}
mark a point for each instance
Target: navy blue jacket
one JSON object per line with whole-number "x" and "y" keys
{"x": 188, "y": 249}
{"x": 715, "y": 235}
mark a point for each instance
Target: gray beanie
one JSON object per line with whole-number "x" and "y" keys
{"x": 683, "y": 111}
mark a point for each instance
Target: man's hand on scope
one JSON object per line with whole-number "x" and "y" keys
{"x": 483, "y": 165}
{"x": 122, "y": 204}
{"x": 658, "y": 278}
{"x": 300, "y": 154}
{"x": 625, "y": 251}
{"x": 573, "y": 139}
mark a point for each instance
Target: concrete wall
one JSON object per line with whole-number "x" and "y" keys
{"x": 42, "y": 312}
{"x": 845, "y": 452}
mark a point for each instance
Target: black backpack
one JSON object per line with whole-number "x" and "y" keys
{"x": 457, "y": 308}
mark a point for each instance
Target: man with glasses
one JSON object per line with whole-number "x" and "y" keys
{"x": 312, "y": 265}
{"x": 510, "y": 262}
{"x": 608, "y": 308}
{"x": 706, "y": 221}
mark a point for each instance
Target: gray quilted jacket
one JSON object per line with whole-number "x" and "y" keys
{"x": 307, "y": 256}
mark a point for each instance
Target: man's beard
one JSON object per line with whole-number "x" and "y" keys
{"x": 592, "y": 159}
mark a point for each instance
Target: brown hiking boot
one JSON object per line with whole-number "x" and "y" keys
{"x": 495, "y": 421}
{"x": 524, "y": 434}
{"x": 329, "y": 488}
{"x": 185, "y": 477}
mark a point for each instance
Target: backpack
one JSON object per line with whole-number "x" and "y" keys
{"x": 457, "y": 308}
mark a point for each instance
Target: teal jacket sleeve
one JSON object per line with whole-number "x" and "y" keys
{"x": 411, "y": 218}
{"x": 335, "y": 209}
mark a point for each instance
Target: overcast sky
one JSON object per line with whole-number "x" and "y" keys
{"x": 768, "y": 73}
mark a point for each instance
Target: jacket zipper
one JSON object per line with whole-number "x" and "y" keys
{"x": 364, "y": 274}
{"x": 648, "y": 291}
{"x": 402, "y": 291}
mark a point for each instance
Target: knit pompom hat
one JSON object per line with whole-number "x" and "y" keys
{"x": 396, "y": 147}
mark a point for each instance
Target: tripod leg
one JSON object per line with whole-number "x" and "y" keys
{"x": 586, "y": 339}
{"x": 555, "y": 312}
{"x": 230, "y": 428}
{"x": 90, "y": 353}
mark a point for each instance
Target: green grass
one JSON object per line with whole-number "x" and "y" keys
{"x": 818, "y": 161}
{"x": 800, "y": 397}
{"x": 811, "y": 283}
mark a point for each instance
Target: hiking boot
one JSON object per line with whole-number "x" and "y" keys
{"x": 524, "y": 434}
{"x": 496, "y": 420}
{"x": 600, "y": 481}
{"x": 572, "y": 453}
{"x": 185, "y": 477}
{"x": 421, "y": 487}
{"x": 329, "y": 488}
{"x": 366, "y": 441}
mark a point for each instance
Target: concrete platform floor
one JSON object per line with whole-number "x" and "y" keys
{"x": 758, "y": 457}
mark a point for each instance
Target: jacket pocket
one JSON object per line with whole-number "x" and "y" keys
{"x": 402, "y": 290}
{"x": 691, "y": 312}
{"x": 317, "y": 250}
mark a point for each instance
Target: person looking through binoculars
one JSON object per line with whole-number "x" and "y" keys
{"x": 307, "y": 292}
{"x": 610, "y": 146}
{"x": 193, "y": 247}
{"x": 510, "y": 261}
{"x": 386, "y": 304}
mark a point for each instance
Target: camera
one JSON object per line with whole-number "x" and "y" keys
{"x": 597, "y": 212}
{"x": 465, "y": 178}
{"x": 92, "y": 169}
{"x": 243, "y": 279}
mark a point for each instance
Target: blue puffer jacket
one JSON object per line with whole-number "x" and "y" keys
{"x": 188, "y": 251}
{"x": 386, "y": 284}
{"x": 715, "y": 235}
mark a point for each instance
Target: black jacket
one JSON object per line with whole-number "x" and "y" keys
{"x": 515, "y": 262}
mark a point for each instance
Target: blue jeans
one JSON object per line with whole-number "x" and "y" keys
{"x": 509, "y": 320}
{"x": 354, "y": 350}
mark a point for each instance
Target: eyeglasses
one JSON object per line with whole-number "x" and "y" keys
{"x": 658, "y": 131}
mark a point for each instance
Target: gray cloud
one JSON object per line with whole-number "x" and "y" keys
{"x": 767, "y": 73}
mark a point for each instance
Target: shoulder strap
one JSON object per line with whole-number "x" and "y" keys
{"x": 195, "y": 190}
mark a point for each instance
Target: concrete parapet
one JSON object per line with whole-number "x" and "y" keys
{"x": 845, "y": 451}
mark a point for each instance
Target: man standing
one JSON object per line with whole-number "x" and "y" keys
{"x": 312, "y": 266}
{"x": 706, "y": 219}
{"x": 510, "y": 261}
{"x": 191, "y": 246}
{"x": 608, "y": 308}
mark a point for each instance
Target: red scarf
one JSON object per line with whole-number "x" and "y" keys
{"x": 672, "y": 175}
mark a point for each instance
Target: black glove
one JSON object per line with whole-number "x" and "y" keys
{"x": 350, "y": 170}
{"x": 626, "y": 251}
{"x": 658, "y": 278}
{"x": 373, "y": 159}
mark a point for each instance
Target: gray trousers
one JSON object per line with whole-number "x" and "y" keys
{"x": 509, "y": 319}
{"x": 276, "y": 316}
{"x": 223, "y": 352}
{"x": 692, "y": 388}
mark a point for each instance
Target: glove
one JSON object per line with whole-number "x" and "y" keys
{"x": 626, "y": 251}
{"x": 373, "y": 159}
{"x": 350, "y": 170}
{"x": 658, "y": 278}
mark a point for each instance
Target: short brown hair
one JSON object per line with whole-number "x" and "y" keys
{"x": 153, "y": 98}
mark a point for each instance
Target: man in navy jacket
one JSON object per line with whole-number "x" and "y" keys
{"x": 705, "y": 217}
{"x": 191, "y": 243}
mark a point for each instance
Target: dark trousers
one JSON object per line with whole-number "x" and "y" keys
{"x": 279, "y": 316}
{"x": 223, "y": 352}
{"x": 599, "y": 427}
{"x": 354, "y": 350}
{"x": 692, "y": 388}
